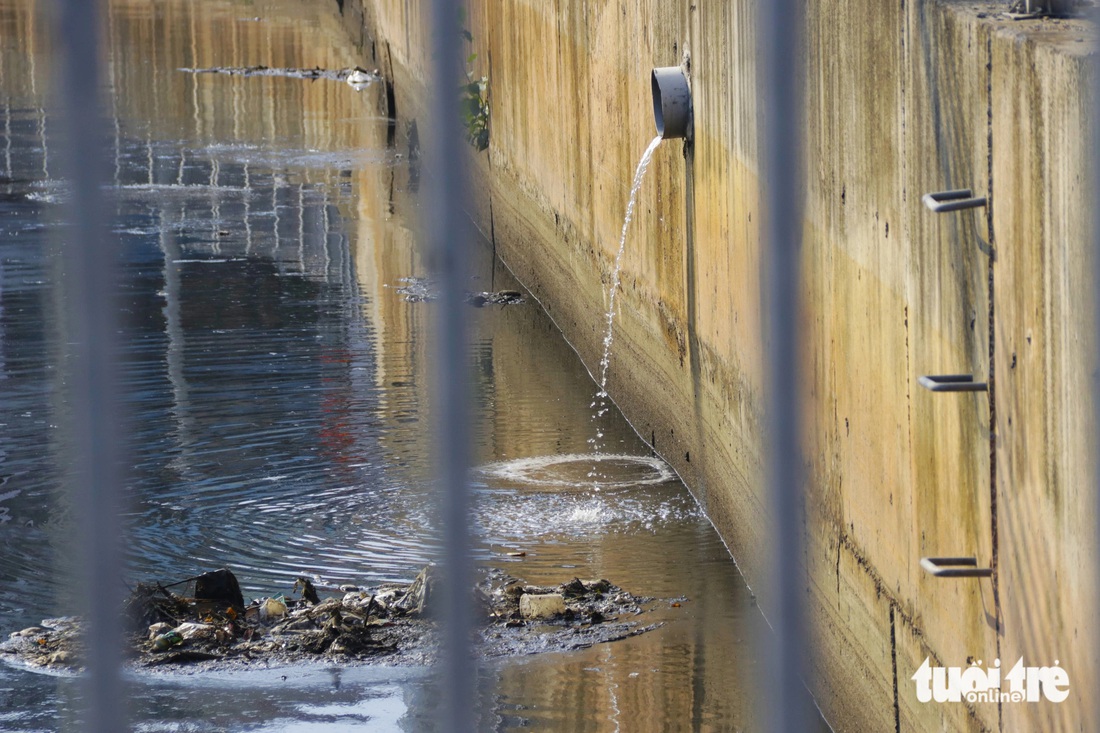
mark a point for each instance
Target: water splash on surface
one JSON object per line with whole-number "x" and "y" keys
{"x": 566, "y": 471}
{"x": 551, "y": 498}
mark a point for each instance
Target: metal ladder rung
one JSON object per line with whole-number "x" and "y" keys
{"x": 954, "y": 567}
{"x": 942, "y": 202}
{"x": 952, "y": 383}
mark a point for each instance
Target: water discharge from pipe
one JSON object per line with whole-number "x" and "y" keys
{"x": 599, "y": 404}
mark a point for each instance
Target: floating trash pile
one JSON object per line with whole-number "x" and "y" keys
{"x": 527, "y": 619}
{"x": 356, "y": 77}
{"x": 423, "y": 290}
{"x": 208, "y": 624}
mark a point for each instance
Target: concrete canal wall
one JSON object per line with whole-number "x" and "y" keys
{"x": 901, "y": 99}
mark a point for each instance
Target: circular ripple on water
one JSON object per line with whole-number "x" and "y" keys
{"x": 582, "y": 471}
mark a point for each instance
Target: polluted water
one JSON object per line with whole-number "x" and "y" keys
{"x": 279, "y": 396}
{"x": 599, "y": 404}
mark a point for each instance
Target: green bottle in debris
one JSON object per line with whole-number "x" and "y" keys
{"x": 166, "y": 641}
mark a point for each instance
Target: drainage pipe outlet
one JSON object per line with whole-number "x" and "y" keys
{"x": 671, "y": 103}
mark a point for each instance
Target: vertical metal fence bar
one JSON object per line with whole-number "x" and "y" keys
{"x": 89, "y": 287}
{"x": 447, "y": 244}
{"x": 780, "y": 77}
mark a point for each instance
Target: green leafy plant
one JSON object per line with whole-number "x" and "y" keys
{"x": 475, "y": 111}
{"x": 475, "y": 98}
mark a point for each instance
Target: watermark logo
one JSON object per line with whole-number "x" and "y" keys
{"x": 986, "y": 684}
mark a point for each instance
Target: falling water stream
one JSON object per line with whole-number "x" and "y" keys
{"x": 599, "y": 404}
{"x": 616, "y": 272}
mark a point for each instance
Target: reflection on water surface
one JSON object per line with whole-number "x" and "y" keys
{"x": 276, "y": 382}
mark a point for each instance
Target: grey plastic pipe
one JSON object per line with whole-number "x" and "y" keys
{"x": 671, "y": 103}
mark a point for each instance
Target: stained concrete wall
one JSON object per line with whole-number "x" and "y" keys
{"x": 901, "y": 99}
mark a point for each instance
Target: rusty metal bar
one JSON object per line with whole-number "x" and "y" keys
{"x": 780, "y": 78}
{"x": 447, "y": 229}
{"x": 89, "y": 286}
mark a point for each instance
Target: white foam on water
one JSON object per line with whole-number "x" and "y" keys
{"x": 593, "y": 513}
{"x": 554, "y": 471}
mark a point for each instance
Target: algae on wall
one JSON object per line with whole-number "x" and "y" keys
{"x": 929, "y": 96}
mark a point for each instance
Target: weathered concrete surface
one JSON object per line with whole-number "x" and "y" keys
{"x": 1044, "y": 352}
{"x": 929, "y": 96}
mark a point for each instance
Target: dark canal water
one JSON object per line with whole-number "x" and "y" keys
{"x": 276, "y": 382}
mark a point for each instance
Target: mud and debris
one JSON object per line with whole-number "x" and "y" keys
{"x": 424, "y": 290}
{"x": 388, "y": 624}
{"x": 501, "y": 297}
